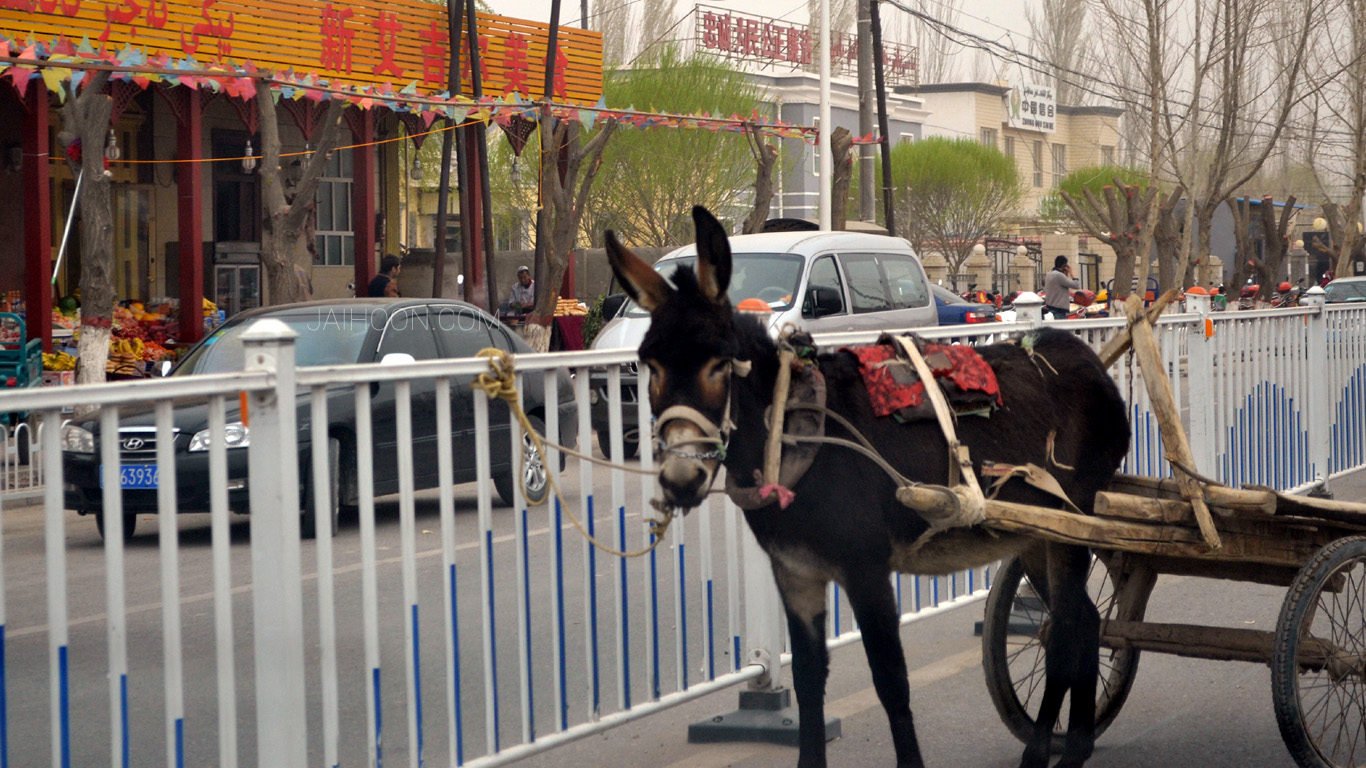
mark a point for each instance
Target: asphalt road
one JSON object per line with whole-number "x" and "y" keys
{"x": 1181, "y": 712}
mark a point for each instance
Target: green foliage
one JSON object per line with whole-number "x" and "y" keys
{"x": 592, "y": 323}
{"x": 1052, "y": 208}
{"x": 950, "y": 193}
{"x": 650, "y": 179}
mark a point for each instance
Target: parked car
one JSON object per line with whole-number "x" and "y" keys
{"x": 956, "y": 310}
{"x": 1346, "y": 289}
{"x": 330, "y": 333}
{"x": 821, "y": 281}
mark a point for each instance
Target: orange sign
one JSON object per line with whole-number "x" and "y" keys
{"x": 367, "y": 42}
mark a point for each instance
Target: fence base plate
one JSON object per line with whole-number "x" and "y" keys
{"x": 763, "y": 716}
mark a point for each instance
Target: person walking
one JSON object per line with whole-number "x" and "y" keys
{"x": 385, "y": 284}
{"x": 1057, "y": 287}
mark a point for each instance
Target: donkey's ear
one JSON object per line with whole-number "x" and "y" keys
{"x": 713, "y": 255}
{"x": 641, "y": 282}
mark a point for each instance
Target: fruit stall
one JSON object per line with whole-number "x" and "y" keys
{"x": 143, "y": 335}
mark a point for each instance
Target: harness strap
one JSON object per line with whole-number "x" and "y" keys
{"x": 961, "y": 474}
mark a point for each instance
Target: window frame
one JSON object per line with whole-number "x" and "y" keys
{"x": 1037, "y": 155}
{"x": 335, "y": 180}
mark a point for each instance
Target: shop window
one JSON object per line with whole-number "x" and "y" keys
{"x": 334, "y": 234}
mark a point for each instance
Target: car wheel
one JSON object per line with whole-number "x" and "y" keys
{"x": 130, "y": 522}
{"x": 534, "y": 476}
{"x": 628, "y": 447}
{"x": 308, "y": 522}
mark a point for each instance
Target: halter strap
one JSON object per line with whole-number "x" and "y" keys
{"x": 716, "y": 436}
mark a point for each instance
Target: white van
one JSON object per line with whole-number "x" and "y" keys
{"x": 820, "y": 281}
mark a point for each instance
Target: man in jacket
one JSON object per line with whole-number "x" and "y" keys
{"x": 1057, "y": 288}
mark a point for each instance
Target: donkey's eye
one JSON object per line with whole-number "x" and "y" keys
{"x": 718, "y": 369}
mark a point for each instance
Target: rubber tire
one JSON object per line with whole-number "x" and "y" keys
{"x": 628, "y": 447}
{"x": 130, "y": 523}
{"x": 1298, "y": 607}
{"x": 308, "y": 520}
{"x": 996, "y": 661}
{"x": 535, "y": 496}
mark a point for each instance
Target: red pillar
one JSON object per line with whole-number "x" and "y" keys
{"x": 473, "y": 230}
{"x": 37, "y": 216}
{"x": 363, "y": 199}
{"x": 190, "y": 212}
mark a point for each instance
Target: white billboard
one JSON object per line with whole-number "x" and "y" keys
{"x": 1031, "y": 107}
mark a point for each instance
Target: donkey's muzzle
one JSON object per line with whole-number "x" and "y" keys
{"x": 684, "y": 482}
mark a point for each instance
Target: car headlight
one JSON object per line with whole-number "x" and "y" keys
{"x": 235, "y": 435}
{"x": 77, "y": 440}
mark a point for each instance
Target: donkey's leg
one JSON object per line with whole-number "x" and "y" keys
{"x": 804, "y": 600}
{"x": 1071, "y": 659}
{"x": 874, "y": 606}
{"x": 1069, "y": 567}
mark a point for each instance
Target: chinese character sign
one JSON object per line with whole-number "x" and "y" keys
{"x": 364, "y": 42}
{"x": 1031, "y": 107}
{"x": 774, "y": 42}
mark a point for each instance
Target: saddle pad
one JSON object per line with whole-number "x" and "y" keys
{"x": 968, "y": 381}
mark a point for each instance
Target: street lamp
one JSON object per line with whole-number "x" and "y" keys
{"x": 415, "y": 173}
{"x": 248, "y": 159}
{"x": 111, "y": 148}
{"x": 516, "y": 174}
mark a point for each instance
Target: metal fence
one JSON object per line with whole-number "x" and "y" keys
{"x": 439, "y": 628}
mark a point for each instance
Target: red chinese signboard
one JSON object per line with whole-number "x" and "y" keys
{"x": 774, "y": 42}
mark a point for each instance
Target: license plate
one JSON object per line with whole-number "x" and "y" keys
{"x": 141, "y": 476}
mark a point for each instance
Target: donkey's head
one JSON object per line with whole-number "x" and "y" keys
{"x": 690, "y": 350}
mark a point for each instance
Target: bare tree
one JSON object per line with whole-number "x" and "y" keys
{"x": 614, "y": 22}
{"x": 283, "y": 213}
{"x": 85, "y": 119}
{"x": 656, "y": 22}
{"x": 1265, "y": 264}
{"x": 1119, "y": 222}
{"x": 566, "y": 190}
{"x": 937, "y": 55}
{"x": 765, "y": 158}
{"x": 1058, "y": 31}
{"x": 1336, "y": 140}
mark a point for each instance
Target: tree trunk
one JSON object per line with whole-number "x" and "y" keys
{"x": 284, "y": 257}
{"x": 840, "y": 143}
{"x": 765, "y": 157}
{"x": 86, "y": 119}
{"x": 564, "y": 199}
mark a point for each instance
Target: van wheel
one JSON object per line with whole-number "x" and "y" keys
{"x": 308, "y": 522}
{"x": 130, "y": 522}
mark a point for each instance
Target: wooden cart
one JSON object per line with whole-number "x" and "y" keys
{"x": 1144, "y": 527}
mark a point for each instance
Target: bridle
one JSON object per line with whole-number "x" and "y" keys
{"x": 718, "y": 437}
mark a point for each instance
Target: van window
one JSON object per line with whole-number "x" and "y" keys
{"x": 824, "y": 274}
{"x": 905, "y": 281}
{"x": 867, "y": 288}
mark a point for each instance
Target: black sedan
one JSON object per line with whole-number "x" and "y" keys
{"x": 329, "y": 333}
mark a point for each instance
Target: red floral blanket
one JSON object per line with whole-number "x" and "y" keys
{"x": 894, "y": 388}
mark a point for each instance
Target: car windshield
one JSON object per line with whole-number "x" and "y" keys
{"x": 319, "y": 343}
{"x": 1346, "y": 290}
{"x": 770, "y": 277}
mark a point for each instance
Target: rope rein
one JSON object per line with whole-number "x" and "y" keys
{"x": 500, "y": 382}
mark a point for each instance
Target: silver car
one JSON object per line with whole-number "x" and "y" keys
{"x": 820, "y": 281}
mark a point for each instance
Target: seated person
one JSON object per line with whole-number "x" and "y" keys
{"x": 523, "y": 295}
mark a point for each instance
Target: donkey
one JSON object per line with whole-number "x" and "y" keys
{"x": 844, "y": 522}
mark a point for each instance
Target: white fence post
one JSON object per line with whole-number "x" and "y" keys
{"x": 1200, "y": 370}
{"x": 763, "y": 615}
{"x": 1029, "y": 308}
{"x": 1320, "y": 410}
{"x": 277, "y": 591}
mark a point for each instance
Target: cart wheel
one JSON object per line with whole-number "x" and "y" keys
{"x": 1013, "y": 652}
{"x": 1318, "y": 663}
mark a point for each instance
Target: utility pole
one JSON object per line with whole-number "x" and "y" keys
{"x": 888, "y": 207}
{"x": 866, "y": 98}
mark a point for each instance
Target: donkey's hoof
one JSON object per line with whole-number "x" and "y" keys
{"x": 1034, "y": 758}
